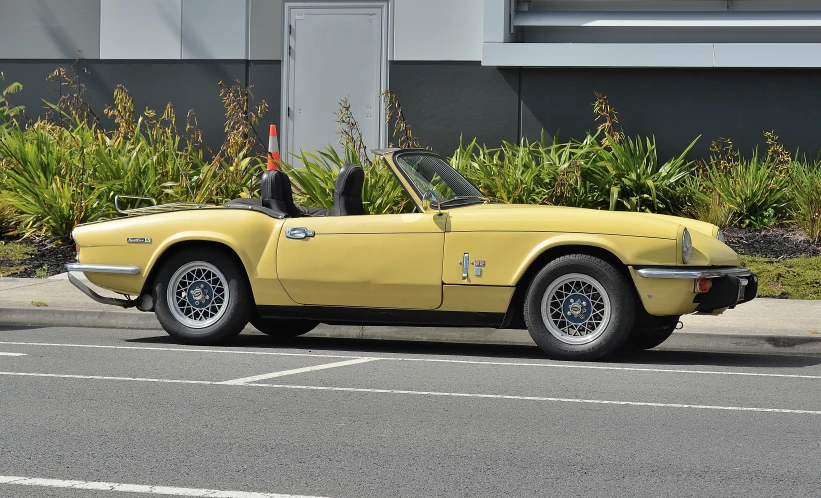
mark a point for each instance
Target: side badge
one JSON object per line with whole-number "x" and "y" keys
{"x": 138, "y": 240}
{"x": 477, "y": 267}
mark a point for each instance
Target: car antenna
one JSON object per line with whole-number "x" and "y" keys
{"x": 185, "y": 178}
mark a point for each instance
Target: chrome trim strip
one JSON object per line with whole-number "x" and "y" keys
{"x": 123, "y": 270}
{"x": 692, "y": 273}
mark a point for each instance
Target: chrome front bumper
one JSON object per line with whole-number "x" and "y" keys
{"x": 692, "y": 273}
{"x": 729, "y": 286}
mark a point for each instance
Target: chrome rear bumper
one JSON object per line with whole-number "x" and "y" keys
{"x": 122, "y": 270}
{"x": 123, "y": 303}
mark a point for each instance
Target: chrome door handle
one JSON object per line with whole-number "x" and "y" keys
{"x": 299, "y": 233}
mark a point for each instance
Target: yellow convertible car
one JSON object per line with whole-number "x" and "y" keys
{"x": 584, "y": 283}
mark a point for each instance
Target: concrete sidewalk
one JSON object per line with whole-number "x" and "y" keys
{"x": 55, "y": 302}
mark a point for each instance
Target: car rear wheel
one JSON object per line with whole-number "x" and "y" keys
{"x": 202, "y": 297}
{"x": 579, "y": 307}
{"x": 283, "y": 327}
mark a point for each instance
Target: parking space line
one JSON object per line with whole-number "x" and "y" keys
{"x": 140, "y": 488}
{"x": 282, "y": 373}
{"x": 12, "y": 354}
{"x": 433, "y": 393}
{"x": 545, "y": 364}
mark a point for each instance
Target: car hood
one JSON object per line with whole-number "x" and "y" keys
{"x": 524, "y": 218}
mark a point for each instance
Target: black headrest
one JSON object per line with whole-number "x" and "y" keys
{"x": 276, "y": 193}
{"x": 348, "y": 191}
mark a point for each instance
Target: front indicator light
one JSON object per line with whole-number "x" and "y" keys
{"x": 686, "y": 246}
{"x": 703, "y": 285}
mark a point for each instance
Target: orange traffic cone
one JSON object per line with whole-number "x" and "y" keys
{"x": 273, "y": 149}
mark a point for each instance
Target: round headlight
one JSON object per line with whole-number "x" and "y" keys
{"x": 686, "y": 246}
{"x": 720, "y": 237}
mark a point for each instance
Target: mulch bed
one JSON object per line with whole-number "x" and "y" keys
{"x": 50, "y": 258}
{"x": 782, "y": 242}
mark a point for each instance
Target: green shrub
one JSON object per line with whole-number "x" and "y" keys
{"x": 755, "y": 190}
{"x": 510, "y": 173}
{"x": 8, "y": 112}
{"x": 8, "y": 216}
{"x": 706, "y": 203}
{"x": 314, "y": 182}
{"x": 805, "y": 206}
{"x": 568, "y": 167}
{"x": 630, "y": 172}
{"x": 48, "y": 177}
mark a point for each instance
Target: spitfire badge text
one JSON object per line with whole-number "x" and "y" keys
{"x": 138, "y": 240}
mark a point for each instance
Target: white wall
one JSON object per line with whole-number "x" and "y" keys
{"x": 438, "y": 30}
{"x": 214, "y": 29}
{"x": 265, "y": 39}
{"x": 144, "y": 29}
{"x": 49, "y": 29}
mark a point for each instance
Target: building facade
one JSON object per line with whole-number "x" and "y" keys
{"x": 490, "y": 69}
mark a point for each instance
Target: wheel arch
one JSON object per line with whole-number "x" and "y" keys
{"x": 514, "y": 317}
{"x": 146, "y": 298}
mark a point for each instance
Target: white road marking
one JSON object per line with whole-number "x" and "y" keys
{"x": 282, "y": 373}
{"x": 140, "y": 488}
{"x": 430, "y": 393}
{"x": 12, "y": 354}
{"x": 545, "y": 364}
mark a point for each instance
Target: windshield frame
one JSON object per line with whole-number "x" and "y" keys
{"x": 415, "y": 194}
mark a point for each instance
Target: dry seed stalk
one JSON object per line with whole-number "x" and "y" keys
{"x": 122, "y": 112}
{"x": 240, "y": 120}
{"x": 350, "y": 135}
{"x": 609, "y": 118}
{"x": 73, "y": 96}
{"x": 400, "y": 127}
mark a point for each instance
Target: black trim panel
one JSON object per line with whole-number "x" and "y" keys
{"x": 339, "y": 315}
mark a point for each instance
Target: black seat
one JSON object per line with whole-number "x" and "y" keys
{"x": 348, "y": 191}
{"x": 276, "y": 193}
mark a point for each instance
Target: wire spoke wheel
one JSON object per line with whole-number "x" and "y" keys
{"x": 198, "y": 294}
{"x": 576, "y": 309}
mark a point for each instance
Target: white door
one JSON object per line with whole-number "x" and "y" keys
{"x": 333, "y": 52}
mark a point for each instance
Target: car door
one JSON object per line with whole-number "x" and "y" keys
{"x": 375, "y": 261}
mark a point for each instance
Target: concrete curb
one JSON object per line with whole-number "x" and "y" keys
{"x": 688, "y": 341}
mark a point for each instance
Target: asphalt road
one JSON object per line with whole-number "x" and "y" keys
{"x": 348, "y": 418}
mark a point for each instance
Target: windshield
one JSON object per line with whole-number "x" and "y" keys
{"x": 430, "y": 175}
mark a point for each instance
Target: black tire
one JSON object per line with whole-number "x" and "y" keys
{"x": 595, "y": 294}
{"x": 650, "y": 331}
{"x": 283, "y": 327}
{"x": 220, "y": 320}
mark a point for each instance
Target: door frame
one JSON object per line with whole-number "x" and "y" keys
{"x": 386, "y": 12}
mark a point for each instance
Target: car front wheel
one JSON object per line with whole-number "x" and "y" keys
{"x": 579, "y": 307}
{"x": 202, "y": 297}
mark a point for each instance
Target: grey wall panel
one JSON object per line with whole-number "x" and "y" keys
{"x": 442, "y": 101}
{"x": 214, "y": 29}
{"x": 49, "y": 29}
{"x": 678, "y": 105}
{"x": 265, "y": 76}
{"x": 265, "y": 35}
{"x": 187, "y": 85}
{"x": 148, "y": 29}
{"x": 436, "y": 30}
